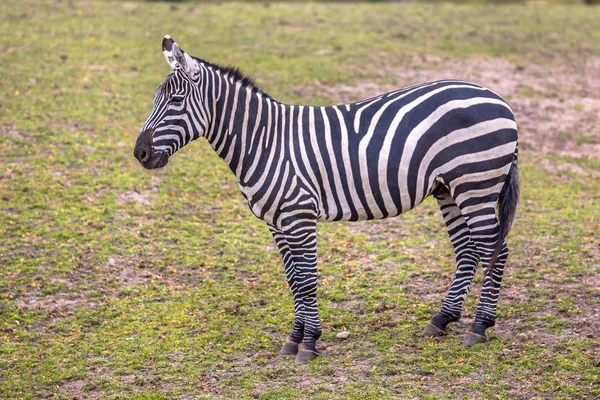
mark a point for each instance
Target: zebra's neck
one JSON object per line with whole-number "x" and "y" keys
{"x": 245, "y": 123}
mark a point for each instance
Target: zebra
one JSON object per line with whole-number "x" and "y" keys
{"x": 376, "y": 158}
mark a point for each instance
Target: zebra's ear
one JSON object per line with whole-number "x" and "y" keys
{"x": 167, "y": 48}
{"x": 178, "y": 58}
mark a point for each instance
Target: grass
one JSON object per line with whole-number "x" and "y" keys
{"x": 117, "y": 283}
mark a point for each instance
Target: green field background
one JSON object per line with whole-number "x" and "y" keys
{"x": 117, "y": 283}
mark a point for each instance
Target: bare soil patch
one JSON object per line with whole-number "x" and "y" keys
{"x": 103, "y": 282}
{"x": 142, "y": 198}
{"x": 76, "y": 389}
{"x": 559, "y": 167}
{"x": 10, "y": 130}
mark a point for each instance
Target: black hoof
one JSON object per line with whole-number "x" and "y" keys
{"x": 433, "y": 331}
{"x": 289, "y": 348}
{"x": 472, "y": 338}
{"x": 304, "y": 355}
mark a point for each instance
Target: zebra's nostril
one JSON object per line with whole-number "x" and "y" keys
{"x": 142, "y": 154}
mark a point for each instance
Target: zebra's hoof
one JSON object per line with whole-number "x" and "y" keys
{"x": 289, "y": 348}
{"x": 472, "y": 338}
{"x": 433, "y": 331}
{"x": 304, "y": 355}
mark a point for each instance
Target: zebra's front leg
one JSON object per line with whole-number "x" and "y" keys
{"x": 290, "y": 347}
{"x": 301, "y": 240}
{"x": 467, "y": 259}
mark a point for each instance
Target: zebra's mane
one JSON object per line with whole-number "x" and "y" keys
{"x": 236, "y": 73}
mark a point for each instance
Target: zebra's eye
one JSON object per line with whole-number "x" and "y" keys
{"x": 176, "y": 100}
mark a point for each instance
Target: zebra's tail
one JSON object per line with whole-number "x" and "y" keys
{"x": 507, "y": 207}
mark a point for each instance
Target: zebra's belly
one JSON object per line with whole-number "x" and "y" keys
{"x": 367, "y": 202}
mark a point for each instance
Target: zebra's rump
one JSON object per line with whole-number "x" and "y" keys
{"x": 382, "y": 156}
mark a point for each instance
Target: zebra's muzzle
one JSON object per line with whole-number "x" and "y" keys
{"x": 145, "y": 153}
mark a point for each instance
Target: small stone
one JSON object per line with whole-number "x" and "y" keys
{"x": 343, "y": 335}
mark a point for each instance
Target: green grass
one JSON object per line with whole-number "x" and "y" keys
{"x": 117, "y": 283}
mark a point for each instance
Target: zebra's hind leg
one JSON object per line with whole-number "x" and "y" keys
{"x": 481, "y": 218}
{"x": 485, "y": 316}
{"x": 290, "y": 346}
{"x": 467, "y": 259}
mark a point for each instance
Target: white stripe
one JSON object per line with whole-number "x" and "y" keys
{"x": 314, "y": 143}
{"x": 346, "y": 214}
{"x": 479, "y": 192}
{"x": 351, "y": 185}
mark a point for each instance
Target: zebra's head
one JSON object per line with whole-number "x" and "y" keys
{"x": 177, "y": 116}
